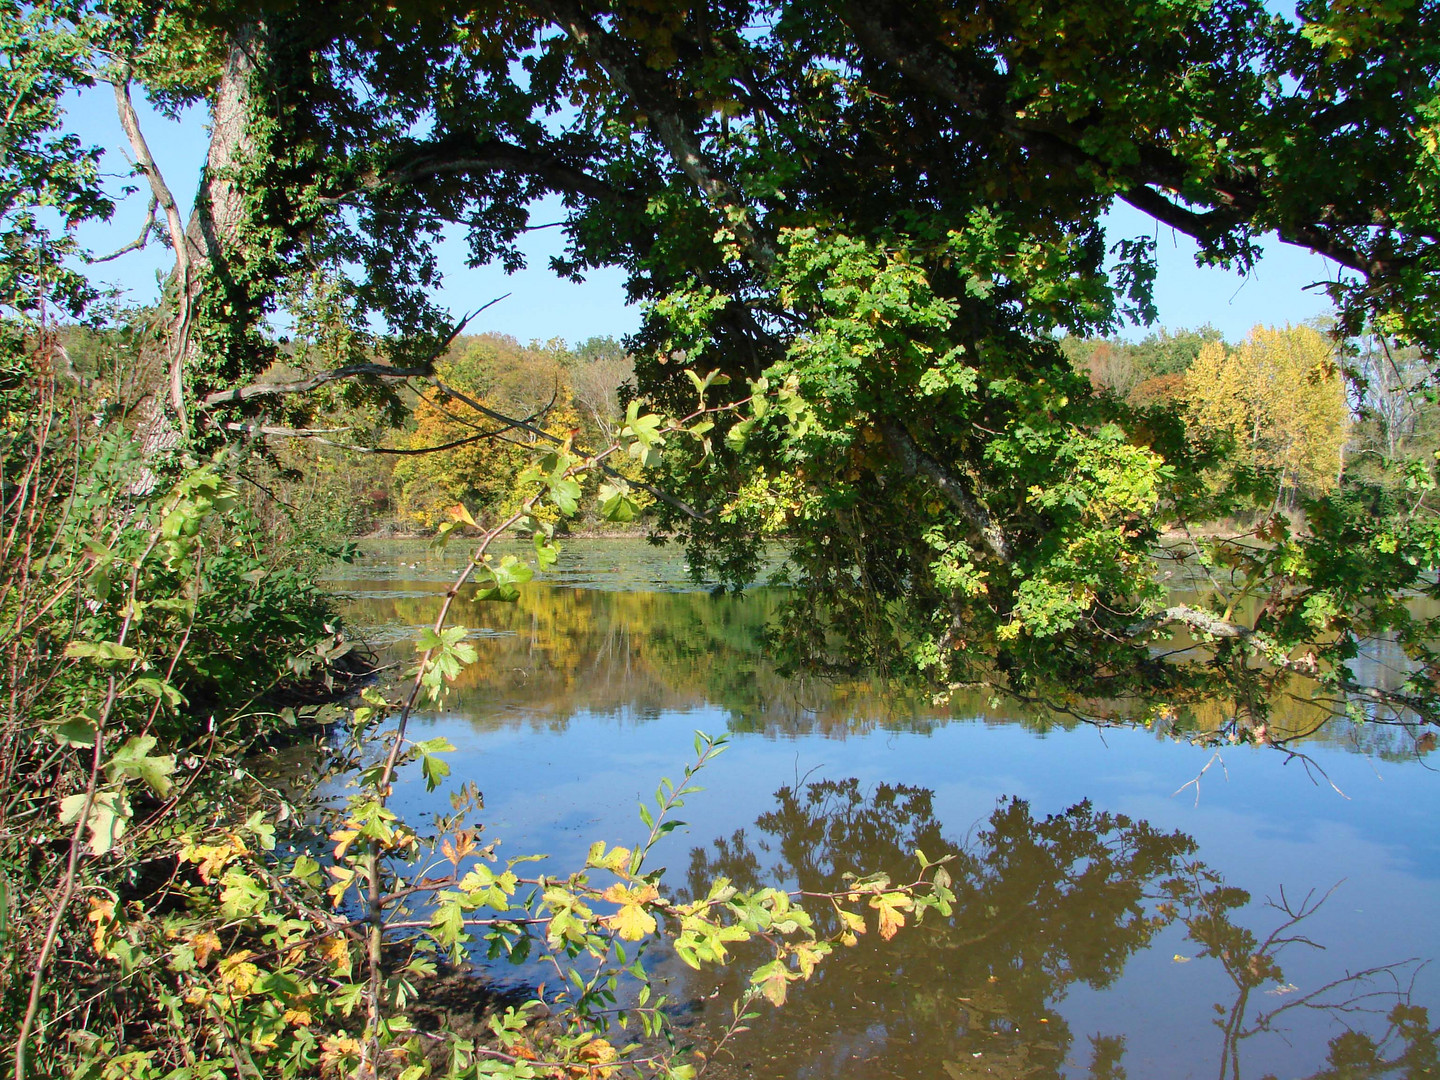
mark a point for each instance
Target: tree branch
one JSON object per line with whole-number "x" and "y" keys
{"x": 914, "y": 460}
{"x": 540, "y": 433}
{"x": 1193, "y": 618}
{"x": 240, "y": 394}
{"x": 161, "y": 194}
{"x": 460, "y": 155}
{"x": 136, "y": 244}
{"x": 665, "y": 122}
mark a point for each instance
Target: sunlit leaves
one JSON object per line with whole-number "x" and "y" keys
{"x": 443, "y": 656}
{"x": 135, "y": 760}
{"x": 615, "y": 502}
{"x": 501, "y": 580}
{"x": 632, "y": 922}
{"x": 106, "y": 817}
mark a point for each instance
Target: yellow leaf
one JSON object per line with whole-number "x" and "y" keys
{"x": 237, "y": 973}
{"x": 616, "y": 860}
{"x": 213, "y": 857}
{"x": 204, "y": 943}
{"x": 632, "y": 922}
{"x": 890, "y": 906}
{"x": 639, "y": 894}
{"x": 807, "y": 957}
{"x": 102, "y": 914}
{"x": 598, "y": 1054}
{"x": 343, "y": 839}
{"x": 775, "y": 983}
{"x": 335, "y": 1050}
{"x": 336, "y": 950}
{"x": 343, "y": 877}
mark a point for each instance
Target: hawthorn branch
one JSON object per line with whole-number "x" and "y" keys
{"x": 540, "y": 433}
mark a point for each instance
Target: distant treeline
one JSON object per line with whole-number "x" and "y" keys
{"x": 1290, "y": 401}
{"x": 1287, "y": 403}
{"x": 441, "y": 451}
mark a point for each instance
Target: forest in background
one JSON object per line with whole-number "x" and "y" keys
{"x": 1289, "y": 401}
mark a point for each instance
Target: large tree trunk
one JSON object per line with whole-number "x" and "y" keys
{"x": 203, "y": 247}
{"x": 206, "y": 245}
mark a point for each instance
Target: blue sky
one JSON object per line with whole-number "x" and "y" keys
{"x": 541, "y": 306}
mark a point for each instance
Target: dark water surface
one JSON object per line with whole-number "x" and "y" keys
{"x": 1116, "y": 887}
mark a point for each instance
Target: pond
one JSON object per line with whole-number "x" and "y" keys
{"x": 1130, "y": 904}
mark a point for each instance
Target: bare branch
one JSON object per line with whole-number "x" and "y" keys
{"x": 464, "y": 155}
{"x": 160, "y": 194}
{"x": 240, "y": 394}
{"x": 136, "y": 244}
{"x": 318, "y": 435}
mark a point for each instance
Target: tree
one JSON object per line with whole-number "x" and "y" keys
{"x": 600, "y": 369}
{"x": 872, "y": 223}
{"x": 1391, "y": 379}
{"x": 1281, "y": 400}
{"x": 1123, "y": 367}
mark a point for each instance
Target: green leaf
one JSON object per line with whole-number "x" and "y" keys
{"x": 773, "y": 980}
{"x": 565, "y": 494}
{"x": 545, "y": 553}
{"x": 76, "y": 731}
{"x": 615, "y": 502}
{"x": 107, "y": 820}
{"x": 103, "y": 652}
{"x": 159, "y": 688}
{"x": 435, "y": 770}
{"x": 134, "y": 760}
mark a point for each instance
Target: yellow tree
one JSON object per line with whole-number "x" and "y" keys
{"x": 456, "y": 455}
{"x": 1281, "y": 397}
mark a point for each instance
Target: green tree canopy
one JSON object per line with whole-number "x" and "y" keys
{"x": 875, "y": 221}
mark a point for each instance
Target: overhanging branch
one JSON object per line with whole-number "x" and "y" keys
{"x": 241, "y": 394}
{"x": 914, "y": 460}
{"x": 540, "y": 433}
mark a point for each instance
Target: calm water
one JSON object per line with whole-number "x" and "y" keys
{"x": 1116, "y": 887}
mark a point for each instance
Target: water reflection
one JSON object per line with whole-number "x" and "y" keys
{"x": 561, "y": 650}
{"x": 1044, "y": 904}
{"x": 1058, "y": 963}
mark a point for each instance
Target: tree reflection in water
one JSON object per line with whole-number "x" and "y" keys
{"x": 1042, "y": 904}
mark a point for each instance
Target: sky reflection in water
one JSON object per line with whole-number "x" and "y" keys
{"x": 1088, "y": 869}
